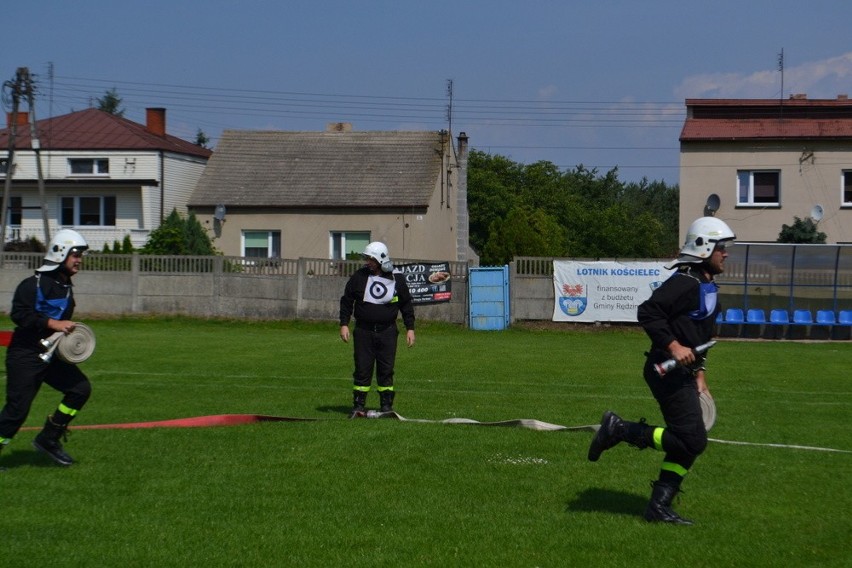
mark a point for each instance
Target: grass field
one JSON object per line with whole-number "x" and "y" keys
{"x": 339, "y": 492}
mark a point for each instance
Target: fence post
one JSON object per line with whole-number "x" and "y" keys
{"x": 300, "y": 286}
{"x": 134, "y": 283}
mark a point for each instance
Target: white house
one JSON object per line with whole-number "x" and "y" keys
{"x": 103, "y": 175}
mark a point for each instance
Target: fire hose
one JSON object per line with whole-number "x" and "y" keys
{"x": 74, "y": 347}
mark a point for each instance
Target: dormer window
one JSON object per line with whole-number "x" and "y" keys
{"x": 88, "y": 166}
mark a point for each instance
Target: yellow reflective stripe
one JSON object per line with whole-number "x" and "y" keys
{"x": 658, "y": 438}
{"x": 674, "y": 468}
{"x": 67, "y": 410}
{"x": 384, "y": 389}
{"x": 361, "y": 389}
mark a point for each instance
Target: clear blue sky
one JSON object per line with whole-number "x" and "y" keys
{"x": 595, "y": 83}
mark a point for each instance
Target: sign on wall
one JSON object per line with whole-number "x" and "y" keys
{"x": 429, "y": 283}
{"x": 603, "y": 291}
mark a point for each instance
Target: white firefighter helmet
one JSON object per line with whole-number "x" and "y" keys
{"x": 701, "y": 239}
{"x": 379, "y": 252}
{"x": 62, "y": 243}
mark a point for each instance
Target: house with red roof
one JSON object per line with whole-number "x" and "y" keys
{"x": 758, "y": 164}
{"x": 103, "y": 175}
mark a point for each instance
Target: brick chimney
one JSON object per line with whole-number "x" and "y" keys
{"x": 23, "y": 119}
{"x": 155, "y": 121}
{"x": 338, "y": 127}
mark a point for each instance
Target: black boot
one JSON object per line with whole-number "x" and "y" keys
{"x": 613, "y": 430}
{"x": 659, "y": 509}
{"x": 386, "y": 401}
{"x": 47, "y": 442}
{"x": 359, "y": 404}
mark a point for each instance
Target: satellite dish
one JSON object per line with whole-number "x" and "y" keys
{"x": 816, "y": 213}
{"x": 713, "y": 203}
{"x": 219, "y": 214}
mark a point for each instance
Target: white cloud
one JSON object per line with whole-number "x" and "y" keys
{"x": 823, "y": 79}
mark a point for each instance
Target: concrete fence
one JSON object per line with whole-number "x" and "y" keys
{"x": 310, "y": 288}
{"x": 217, "y": 286}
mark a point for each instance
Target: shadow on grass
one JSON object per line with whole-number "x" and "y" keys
{"x": 340, "y": 409}
{"x": 608, "y": 501}
{"x": 12, "y": 460}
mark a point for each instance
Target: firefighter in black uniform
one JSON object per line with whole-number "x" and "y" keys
{"x": 42, "y": 305}
{"x": 679, "y": 316}
{"x": 375, "y": 295}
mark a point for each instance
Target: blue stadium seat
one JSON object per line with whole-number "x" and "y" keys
{"x": 734, "y": 315}
{"x": 802, "y": 322}
{"x": 756, "y": 316}
{"x": 823, "y": 325}
{"x": 778, "y": 322}
{"x": 825, "y": 317}
{"x": 779, "y": 317}
{"x": 803, "y": 317}
{"x": 732, "y": 326}
{"x": 755, "y": 322}
{"x": 843, "y": 328}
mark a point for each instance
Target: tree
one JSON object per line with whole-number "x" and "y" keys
{"x": 597, "y": 216}
{"x": 803, "y": 231}
{"x": 179, "y": 236}
{"x": 524, "y": 232}
{"x": 111, "y": 102}
{"x": 201, "y": 139}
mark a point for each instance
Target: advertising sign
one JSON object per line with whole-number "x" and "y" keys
{"x": 429, "y": 283}
{"x": 603, "y": 291}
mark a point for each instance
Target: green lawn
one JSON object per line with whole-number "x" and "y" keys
{"x": 339, "y": 492}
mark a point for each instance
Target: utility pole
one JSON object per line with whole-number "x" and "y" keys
{"x": 36, "y": 145}
{"x": 15, "y": 95}
{"x": 22, "y": 87}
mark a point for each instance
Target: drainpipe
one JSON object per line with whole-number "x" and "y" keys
{"x": 162, "y": 187}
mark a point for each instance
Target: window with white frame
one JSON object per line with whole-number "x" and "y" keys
{"x": 755, "y": 187}
{"x": 846, "y": 195}
{"x": 88, "y": 166}
{"x": 348, "y": 245}
{"x": 87, "y": 211}
{"x": 261, "y": 244}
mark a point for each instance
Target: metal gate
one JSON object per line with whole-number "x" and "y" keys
{"x": 489, "y": 297}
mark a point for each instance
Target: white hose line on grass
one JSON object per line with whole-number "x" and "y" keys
{"x": 788, "y": 446}
{"x": 546, "y": 426}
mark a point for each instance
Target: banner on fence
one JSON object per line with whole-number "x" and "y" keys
{"x": 603, "y": 291}
{"x": 429, "y": 283}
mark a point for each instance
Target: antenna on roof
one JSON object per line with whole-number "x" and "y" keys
{"x": 450, "y": 106}
{"x": 781, "y": 69}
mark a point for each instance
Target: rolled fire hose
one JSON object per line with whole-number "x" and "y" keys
{"x": 708, "y": 410}
{"x": 75, "y": 347}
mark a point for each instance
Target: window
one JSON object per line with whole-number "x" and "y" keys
{"x": 88, "y": 166}
{"x": 262, "y": 244}
{"x": 846, "y": 197}
{"x": 348, "y": 245}
{"x": 4, "y": 166}
{"x": 758, "y": 188}
{"x": 88, "y": 211}
{"x": 16, "y": 210}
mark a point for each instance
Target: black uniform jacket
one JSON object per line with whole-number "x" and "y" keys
{"x": 684, "y": 307}
{"x": 369, "y": 313}
{"x": 31, "y": 309}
